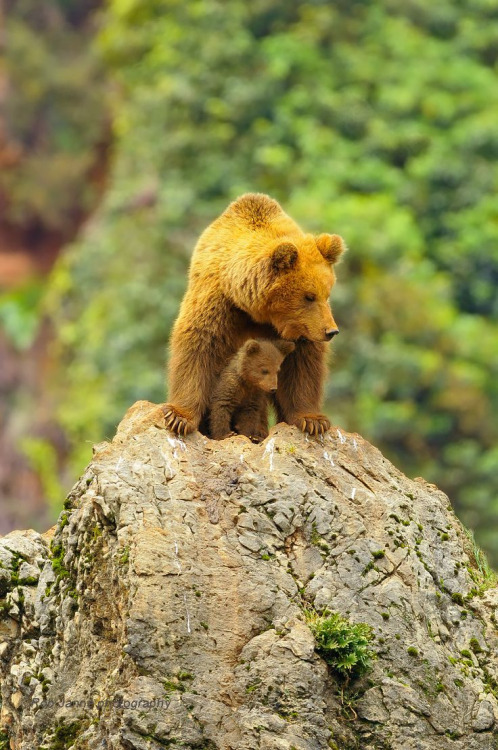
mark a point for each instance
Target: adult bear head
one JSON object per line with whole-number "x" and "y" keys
{"x": 300, "y": 279}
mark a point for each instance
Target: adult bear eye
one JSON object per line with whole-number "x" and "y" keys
{"x": 264, "y": 372}
{"x": 310, "y": 297}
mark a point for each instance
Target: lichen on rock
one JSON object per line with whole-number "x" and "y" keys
{"x": 169, "y": 607}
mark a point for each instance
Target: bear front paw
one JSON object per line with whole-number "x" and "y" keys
{"x": 181, "y": 423}
{"x": 314, "y": 424}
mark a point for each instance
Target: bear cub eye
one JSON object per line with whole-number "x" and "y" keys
{"x": 264, "y": 372}
{"x": 310, "y": 297}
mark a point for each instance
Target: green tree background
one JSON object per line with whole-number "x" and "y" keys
{"x": 376, "y": 121}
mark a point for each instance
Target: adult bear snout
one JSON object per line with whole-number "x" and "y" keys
{"x": 331, "y": 333}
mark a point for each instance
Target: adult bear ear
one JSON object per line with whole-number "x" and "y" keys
{"x": 285, "y": 347}
{"x": 252, "y": 347}
{"x": 331, "y": 246}
{"x": 284, "y": 257}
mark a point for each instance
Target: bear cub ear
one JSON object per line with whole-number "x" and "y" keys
{"x": 284, "y": 257}
{"x": 331, "y": 246}
{"x": 285, "y": 347}
{"x": 252, "y": 347}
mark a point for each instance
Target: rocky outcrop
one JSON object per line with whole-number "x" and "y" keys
{"x": 171, "y": 606}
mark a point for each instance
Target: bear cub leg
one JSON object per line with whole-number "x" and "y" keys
{"x": 252, "y": 419}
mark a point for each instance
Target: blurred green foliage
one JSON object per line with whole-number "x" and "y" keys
{"x": 373, "y": 120}
{"x": 20, "y": 311}
{"x": 42, "y": 456}
{"x": 52, "y": 112}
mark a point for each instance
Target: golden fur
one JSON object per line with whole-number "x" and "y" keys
{"x": 254, "y": 274}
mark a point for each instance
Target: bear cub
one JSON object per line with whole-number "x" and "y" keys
{"x": 241, "y": 397}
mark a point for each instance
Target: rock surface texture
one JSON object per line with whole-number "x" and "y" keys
{"x": 167, "y": 609}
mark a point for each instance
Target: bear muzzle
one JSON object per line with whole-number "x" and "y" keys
{"x": 329, "y": 335}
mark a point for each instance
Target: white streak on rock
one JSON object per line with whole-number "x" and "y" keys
{"x": 328, "y": 458}
{"x": 187, "y": 612}
{"x": 270, "y": 450}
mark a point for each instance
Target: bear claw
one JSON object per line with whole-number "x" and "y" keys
{"x": 176, "y": 422}
{"x": 313, "y": 424}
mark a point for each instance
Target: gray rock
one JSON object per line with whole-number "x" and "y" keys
{"x": 485, "y": 717}
{"x": 171, "y": 610}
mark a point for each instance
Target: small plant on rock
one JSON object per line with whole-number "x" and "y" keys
{"x": 342, "y": 644}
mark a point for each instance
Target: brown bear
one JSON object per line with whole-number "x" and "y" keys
{"x": 241, "y": 397}
{"x": 254, "y": 274}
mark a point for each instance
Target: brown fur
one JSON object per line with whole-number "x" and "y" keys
{"x": 249, "y": 277}
{"x": 241, "y": 397}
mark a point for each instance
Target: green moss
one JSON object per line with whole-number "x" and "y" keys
{"x": 475, "y": 646}
{"x": 385, "y": 615}
{"x": 491, "y": 685}
{"x": 412, "y": 651}
{"x": 17, "y": 560}
{"x": 204, "y": 625}
{"x": 4, "y": 740}
{"x": 466, "y": 653}
{"x": 57, "y": 555}
{"x": 287, "y": 715}
{"x": 368, "y": 567}
{"x": 444, "y": 537}
{"x": 458, "y": 598}
{"x": 124, "y": 556}
{"x": 379, "y": 554}
{"x": 65, "y": 735}
{"x": 172, "y": 686}
{"x": 452, "y": 735}
{"x": 315, "y": 536}
{"x": 64, "y": 520}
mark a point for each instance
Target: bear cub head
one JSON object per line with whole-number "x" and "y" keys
{"x": 260, "y": 360}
